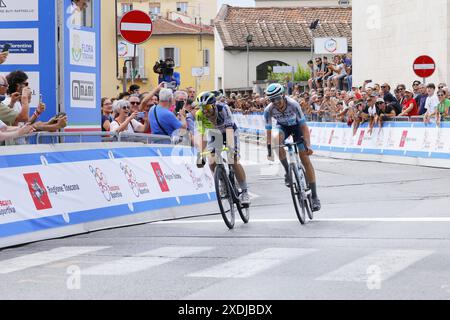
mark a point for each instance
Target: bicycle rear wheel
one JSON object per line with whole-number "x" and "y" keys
{"x": 296, "y": 192}
{"x": 244, "y": 211}
{"x": 224, "y": 197}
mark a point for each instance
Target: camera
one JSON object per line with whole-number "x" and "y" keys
{"x": 165, "y": 68}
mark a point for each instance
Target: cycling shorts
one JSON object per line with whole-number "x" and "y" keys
{"x": 213, "y": 146}
{"x": 297, "y": 135}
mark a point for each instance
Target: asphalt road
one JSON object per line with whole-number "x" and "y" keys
{"x": 383, "y": 233}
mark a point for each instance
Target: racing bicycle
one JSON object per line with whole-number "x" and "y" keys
{"x": 227, "y": 191}
{"x": 301, "y": 194}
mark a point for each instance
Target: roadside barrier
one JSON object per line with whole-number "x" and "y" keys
{"x": 57, "y": 190}
{"x": 398, "y": 141}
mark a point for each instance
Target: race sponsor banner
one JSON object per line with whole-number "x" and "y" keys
{"x": 19, "y": 10}
{"x": 394, "y": 138}
{"x": 82, "y": 48}
{"x": 24, "y": 45}
{"x": 67, "y": 187}
{"x": 83, "y": 93}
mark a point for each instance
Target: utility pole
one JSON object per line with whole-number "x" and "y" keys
{"x": 248, "y": 40}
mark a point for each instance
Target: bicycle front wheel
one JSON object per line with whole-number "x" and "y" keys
{"x": 224, "y": 197}
{"x": 297, "y": 194}
{"x": 308, "y": 200}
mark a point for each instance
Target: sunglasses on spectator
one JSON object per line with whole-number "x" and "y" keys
{"x": 25, "y": 84}
{"x": 134, "y": 103}
{"x": 125, "y": 108}
{"x": 441, "y": 95}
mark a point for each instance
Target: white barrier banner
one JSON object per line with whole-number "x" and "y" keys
{"x": 54, "y": 189}
{"x": 413, "y": 139}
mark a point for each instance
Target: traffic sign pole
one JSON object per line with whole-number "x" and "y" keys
{"x": 133, "y": 72}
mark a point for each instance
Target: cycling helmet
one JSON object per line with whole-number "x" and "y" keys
{"x": 275, "y": 90}
{"x": 206, "y": 98}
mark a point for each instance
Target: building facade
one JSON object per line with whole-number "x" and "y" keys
{"x": 191, "y": 46}
{"x": 190, "y": 11}
{"x": 280, "y": 37}
{"x": 389, "y": 35}
{"x": 182, "y": 30}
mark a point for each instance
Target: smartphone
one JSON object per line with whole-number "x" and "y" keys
{"x": 140, "y": 115}
{"x": 40, "y": 98}
{"x": 6, "y": 47}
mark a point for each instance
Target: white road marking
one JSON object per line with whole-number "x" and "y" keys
{"x": 252, "y": 264}
{"x": 410, "y": 220}
{"x": 143, "y": 261}
{"x": 253, "y": 195}
{"x": 389, "y": 262}
{"x": 45, "y": 257}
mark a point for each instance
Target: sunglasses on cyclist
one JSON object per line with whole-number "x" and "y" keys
{"x": 208, "y": 107}
{"x": 276, "y": 100}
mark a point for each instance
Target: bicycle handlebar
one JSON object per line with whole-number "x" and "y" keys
{"x": 208, "y": 153}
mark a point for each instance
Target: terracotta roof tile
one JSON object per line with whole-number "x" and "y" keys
{"x": 167, "y": 27}
{"x": 281, "y": 28}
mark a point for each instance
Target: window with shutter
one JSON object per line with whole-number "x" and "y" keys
{"x": 170, "y": 52}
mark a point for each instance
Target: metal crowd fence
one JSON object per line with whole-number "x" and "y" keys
{"x": 39, "y": 138}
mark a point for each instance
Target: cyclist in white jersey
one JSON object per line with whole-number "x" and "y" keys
{"x": 290, "y": 122}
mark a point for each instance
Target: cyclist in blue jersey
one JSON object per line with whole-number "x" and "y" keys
{"x": 290, "y": 122}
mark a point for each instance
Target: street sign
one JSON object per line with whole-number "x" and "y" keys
{"x": 330, "y": 45}
{"x": 424, "y": 66}
{"x": 200, "y": 71}
{"x": 136, "y": 27}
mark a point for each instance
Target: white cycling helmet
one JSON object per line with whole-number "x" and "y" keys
{"x": 274, "y": 91}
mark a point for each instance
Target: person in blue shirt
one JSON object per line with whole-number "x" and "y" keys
{"x": 162, "y": 120}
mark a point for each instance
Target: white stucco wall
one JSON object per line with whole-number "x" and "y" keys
{"x": 219, "y": 60}
{"x": 389, "y": 34}
{"x": 235, "y": 64}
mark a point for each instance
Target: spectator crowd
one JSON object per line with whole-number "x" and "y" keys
{"x": 15, "y": 105}
{"x": 329, "y": 96}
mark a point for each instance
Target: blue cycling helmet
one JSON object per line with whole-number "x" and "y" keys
{"x": 275, "y": 90}
{"x": 206, "y": 98}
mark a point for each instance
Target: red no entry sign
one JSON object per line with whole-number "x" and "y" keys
{"x": 424, "y": 66}
{"x": 136, "y": 27}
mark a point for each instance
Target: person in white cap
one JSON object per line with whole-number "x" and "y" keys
{"x": 384, "y": 112}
